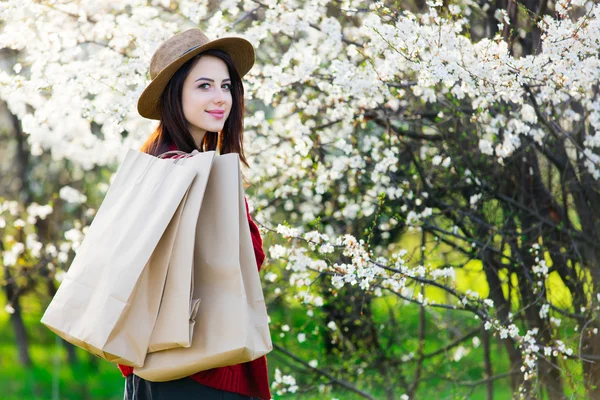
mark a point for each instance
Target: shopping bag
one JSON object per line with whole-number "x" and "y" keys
{"x": 140, "y": 315}
{"x": 231, "y": 323}
{"x": 92, "y": 307}
{"x": 176, "y": 317}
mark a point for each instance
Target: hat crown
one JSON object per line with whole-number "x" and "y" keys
{"x": 174, "y": 48}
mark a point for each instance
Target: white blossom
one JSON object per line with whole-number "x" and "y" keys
{"x": 72, "y": 195}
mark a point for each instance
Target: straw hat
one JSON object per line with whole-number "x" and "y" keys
{"x": 174, "y": 52}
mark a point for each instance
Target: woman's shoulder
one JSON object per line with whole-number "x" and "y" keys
{"x": 171, "y": 149}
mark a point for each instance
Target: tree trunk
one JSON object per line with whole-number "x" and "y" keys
{"x": 16, "y": 319}
{"x": 590, "y": 349}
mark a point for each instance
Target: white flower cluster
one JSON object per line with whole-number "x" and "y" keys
{"x": 71, "y": 195}
{"x": 360, "y": 270}
{"x": 75, "y": 237}
{"x": 283, "y": 384}
{"x": 528, "y": 344}
{"x": 12, "y": 207}
{"x": 530, "y": 349}
{"x": 287, "y": 232}
{"x": 540, "y": 269}
{"x": 24, "y": 220}
{"x": 315, "y": 238}
{"x": 278, "y": 251}
{"x": 10, "y": 256}
{"x": 459, "y": 353}
{"x": 447, "y": 272}
{"x": 306, "y": 297}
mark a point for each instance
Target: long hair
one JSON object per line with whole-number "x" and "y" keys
{"x": 172, "y": 128}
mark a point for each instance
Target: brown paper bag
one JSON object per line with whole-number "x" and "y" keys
{"x": 231, "y": 324}
{"x": 139, "y": 317}
{"x": 90, "y": 308}
{"x": 176, "y": 317}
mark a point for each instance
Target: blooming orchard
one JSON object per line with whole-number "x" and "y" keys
{"x": 354, "y": 115}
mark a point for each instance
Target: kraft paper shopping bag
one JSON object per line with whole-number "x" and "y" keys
{"x": 90, "y": 307}
{"x": 231, "y": 323}
{"x": 177, "y": 314}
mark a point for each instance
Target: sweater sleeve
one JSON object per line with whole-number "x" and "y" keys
{"x": 125, "y": 370}
{"x": 257, "y": 243}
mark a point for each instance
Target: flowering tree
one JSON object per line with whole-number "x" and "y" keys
{"x": 440, "y": 160}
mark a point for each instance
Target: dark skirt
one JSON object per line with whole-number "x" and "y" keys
{"x": 137, "y": 388}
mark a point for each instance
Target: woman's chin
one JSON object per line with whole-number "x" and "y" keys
{"x": 213, "y": 127}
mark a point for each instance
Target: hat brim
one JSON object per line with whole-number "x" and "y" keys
{"x": 240, "y": 50}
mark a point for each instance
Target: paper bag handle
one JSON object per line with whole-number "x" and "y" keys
{"x": 178, "y": 152}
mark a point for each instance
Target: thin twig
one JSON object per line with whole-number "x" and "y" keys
{"x": 332, "y": 378}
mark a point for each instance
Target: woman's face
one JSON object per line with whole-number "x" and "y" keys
{"x": 206, "y": 89}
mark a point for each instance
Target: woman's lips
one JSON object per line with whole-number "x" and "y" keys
{"x": 217, "y": 115}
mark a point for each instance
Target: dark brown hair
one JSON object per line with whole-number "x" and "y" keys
{"x": 172, "y": 128}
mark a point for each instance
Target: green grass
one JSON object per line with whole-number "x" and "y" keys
{"x": 52, "y": 374}
{"x": 93, "y": 378}
{"x": 442, "y": 378}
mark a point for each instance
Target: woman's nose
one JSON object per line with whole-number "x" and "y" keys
{"x": 219, "y": 97}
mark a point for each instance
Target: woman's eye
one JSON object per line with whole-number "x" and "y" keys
{"x": 202, "y": 86}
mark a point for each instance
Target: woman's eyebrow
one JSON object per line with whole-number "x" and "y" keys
{"x": 212, "y": 80}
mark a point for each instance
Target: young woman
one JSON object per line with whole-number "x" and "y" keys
{"x": 197, "y": 95}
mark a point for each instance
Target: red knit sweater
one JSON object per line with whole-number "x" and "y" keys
{"x": 250, "y": 378}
